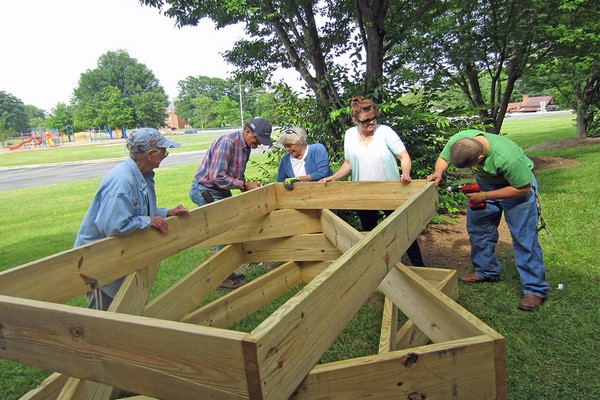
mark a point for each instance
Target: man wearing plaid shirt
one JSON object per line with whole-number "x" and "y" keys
{"x": 223, "y": 167}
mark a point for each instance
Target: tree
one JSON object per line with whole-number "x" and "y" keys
{"x": 192, "y": 87}
{"x": 309, "y": 36}
{"x": 573, "y": 68}
{"x": 60, "y": 117}
{"x": 13, "y": 113}
{"x": 477, "y": 40}
{"x": 204, "y": 108}
{"x": 140, "y": 90}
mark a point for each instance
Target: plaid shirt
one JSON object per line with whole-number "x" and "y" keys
{"x": 224, "y": 164}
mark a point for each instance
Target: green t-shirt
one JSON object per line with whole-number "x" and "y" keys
{"x": 505, "y": 162}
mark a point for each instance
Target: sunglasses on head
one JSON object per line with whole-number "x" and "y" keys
{"x": 367, "y": 121}
{"x": 289, "y": 132}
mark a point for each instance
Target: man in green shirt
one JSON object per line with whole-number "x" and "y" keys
{"x": 505, "y": 175}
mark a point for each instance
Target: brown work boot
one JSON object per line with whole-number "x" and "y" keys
{"x": 474, "y": 278}
{"x": 530, "y": 302}
{"x": 232, "y": 284}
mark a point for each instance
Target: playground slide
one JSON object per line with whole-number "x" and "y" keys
{"x": 38, "y": 142}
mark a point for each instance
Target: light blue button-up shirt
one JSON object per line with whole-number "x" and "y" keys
{"x": 124, "y": 202}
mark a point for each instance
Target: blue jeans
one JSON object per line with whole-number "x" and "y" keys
{"x": 196, "y": 197}
{"x": 521, "y": 216}
{"x": 197, "y": 188}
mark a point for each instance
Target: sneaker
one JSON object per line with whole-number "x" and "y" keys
{"x": 231, "y": 284}
{"x": 236, "y": 277}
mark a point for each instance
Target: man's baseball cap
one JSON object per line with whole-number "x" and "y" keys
{"x": 144, "y": 139}
{"x": 263, "y": 130}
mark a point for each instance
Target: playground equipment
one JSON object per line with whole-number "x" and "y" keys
{"x": 172, "y": 348}
{"x": 38, "y": 142}
{"x": 39, "y": 138}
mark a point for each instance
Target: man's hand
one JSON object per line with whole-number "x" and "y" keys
{"x": 436, "y": 177}
{"x": 179, "y": 211}
{"x": 250, "y": 186}
{"x": 288, "y": 183}
{"x": 159, "y": 223}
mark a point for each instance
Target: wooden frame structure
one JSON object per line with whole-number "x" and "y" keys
{"x": 170, "y": 348}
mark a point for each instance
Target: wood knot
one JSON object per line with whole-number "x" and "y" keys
{"x": 411, "y": 358}
{"x": 77, "y": 331}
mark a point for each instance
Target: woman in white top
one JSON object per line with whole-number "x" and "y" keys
{"x": 370, "y": 152}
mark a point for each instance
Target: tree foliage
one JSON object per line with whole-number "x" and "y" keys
{"x": 60, "y": 117}
{"x": 573, "y": 66}
{"x": 482, "y": 47}
{"x": 13, "y": 113}
{"x": 213, "y": 102}
{"x": 310, "y": 37}
{"x": 141, "y": 98}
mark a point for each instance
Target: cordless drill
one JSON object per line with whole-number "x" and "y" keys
{"x": 469, "y": 188}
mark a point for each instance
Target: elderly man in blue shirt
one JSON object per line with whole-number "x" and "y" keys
{"x": 125, "y": 202}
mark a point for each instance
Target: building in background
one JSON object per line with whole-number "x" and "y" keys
{"x": 174, "y": 121}
{"x": 532, "y": 104}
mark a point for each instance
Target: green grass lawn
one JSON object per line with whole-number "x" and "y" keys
{"x": 550, "y": 353}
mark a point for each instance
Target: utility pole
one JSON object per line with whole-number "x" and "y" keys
{"x": 241, "y": 108}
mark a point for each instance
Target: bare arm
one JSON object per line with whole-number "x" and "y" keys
{"x": 406, "y": 165}
{"x": 440, "y": 167}
{"x": 342, "y": 172}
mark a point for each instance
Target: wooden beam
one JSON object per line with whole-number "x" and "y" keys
{"x": 185, "y": 295}
{"x": 49, "y": 389}
{"x": 339, "y": 232}
{"x": 439, "y": 317}
{"x": 409, "y": 335}
{"x": 130, "y": 299}
{"x": 288, "y": 343}
{"x": 110, "y": 348}
{"x": 57, "y": 278}
{"x": 225, "y": 311}
{"x": 373, "y": 195}
{"x": 460, "y": 369}
{"x": 279, "y": 223}
{"x": 312, "y": 247}
{"x": 310, "y": 269}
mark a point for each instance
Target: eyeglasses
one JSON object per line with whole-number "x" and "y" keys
{"x": 367, "y": 121}
{"x": 157, "y": 149}
{"x": 289, "y": 132}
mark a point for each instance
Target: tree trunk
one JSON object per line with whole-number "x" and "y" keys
{"x": 581, "y": 123}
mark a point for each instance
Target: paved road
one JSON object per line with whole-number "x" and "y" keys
{"x": 50, "y": 174}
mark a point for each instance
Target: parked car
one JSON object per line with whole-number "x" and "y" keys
{"x": 191, "y": 130}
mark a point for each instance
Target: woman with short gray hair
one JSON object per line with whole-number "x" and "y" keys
{"x": 304, "y": 162}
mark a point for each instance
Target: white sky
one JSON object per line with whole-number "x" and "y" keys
{"x": 45, "y": 45}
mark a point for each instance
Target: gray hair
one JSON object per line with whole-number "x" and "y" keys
{"x": 292, "y": 136}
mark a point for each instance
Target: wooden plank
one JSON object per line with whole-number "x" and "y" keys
{"x": 438, "y": 316}
{"x": 389, "y": 324}
{"x": 374, "y": 195}
{"x": 57, "y": 278}
{"x": 225, "y": 311}
{"x": 77, "y": 389}
{"x": 278, "y": 223}
{"x": 340, "y": 233}
{"x": 185, "y": 295}
{"x": 110, "y": 348}
{"x": 49, "y": 389}
{"x": 409, "y": 334}
{"x": 312, "y": 247}
{"x": 130, "y": 299}
{"x": 291, "y": 340}
{"x": 460, "y": 369}
{"x": 310, "y": 269}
